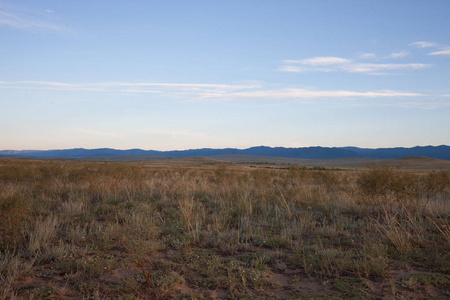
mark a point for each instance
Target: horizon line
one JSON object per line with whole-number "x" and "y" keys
{"x": 107, "y": 148}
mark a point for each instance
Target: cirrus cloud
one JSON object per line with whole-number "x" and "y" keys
{"x": 441, "y": 52}
{"x": 213, "y": 92}
{"x": 22, "y": 19}
{"x": 399, "y": 54}
{"x": 368, "y": 56}
{"x": 337, "y": 64}
{"x": 320, "y": 61}
{"x": 304, "y": 94}
{"x": 379, "y": 68}
{"x": 423, "y": 44}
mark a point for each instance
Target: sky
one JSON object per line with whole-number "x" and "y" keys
{"x": 174, "y": 75}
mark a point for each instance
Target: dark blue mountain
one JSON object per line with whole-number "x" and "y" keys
{"x": 439, "y": 152}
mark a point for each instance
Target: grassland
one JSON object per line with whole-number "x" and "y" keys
{"x": 111, "y": 230}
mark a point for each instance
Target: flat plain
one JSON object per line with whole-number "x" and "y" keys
{"x": 225, "y": 228}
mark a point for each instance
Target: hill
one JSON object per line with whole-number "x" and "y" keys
{"x": 438, "y": 152}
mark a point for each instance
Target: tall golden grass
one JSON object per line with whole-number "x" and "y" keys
{"x": 80, "y": 221}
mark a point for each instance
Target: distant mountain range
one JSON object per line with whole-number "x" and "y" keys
{"x": 439, "y": 152}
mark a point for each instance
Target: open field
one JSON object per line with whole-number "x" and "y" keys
{"x": 418, "y": 163}
{"x": 203, "y": 229}
{"x": 409, "y": 163}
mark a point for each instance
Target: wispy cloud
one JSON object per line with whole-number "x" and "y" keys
{"x": 40, "y": 83}
{"x": 293, "y": 69}
{"x": 399, "y": 54}
{"x": 335, "y": 64}
{"x": 181, "y": 86}
{"x": 19, "y": 18}
{"x": 320, "y": 61}
{"x": 380, "y": 68}
{"x": 137, "y": 91}
{"x": 302, "y": 69}
{"x": 441, "y": 52}
{"x": 423, "y": 44}
{"x": 417, "y": 104}
{"x": 175, "y": 90}
{"x": 127, "y": 87}
{"x": 46, "y": 86}
{"x": 359, "y": 64}
{"x": 367, "y": 56}
{"x": 309, "y": 94}
{"x": 218, "y": 92}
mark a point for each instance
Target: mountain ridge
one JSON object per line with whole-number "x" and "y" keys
{"x": 316, "y": 152}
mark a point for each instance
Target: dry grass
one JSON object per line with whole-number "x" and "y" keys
{"x": 133, "y": 231}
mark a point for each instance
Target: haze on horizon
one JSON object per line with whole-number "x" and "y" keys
{"x": 175, "y": 75}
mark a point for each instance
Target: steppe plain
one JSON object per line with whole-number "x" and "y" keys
{"x": 225, "y": 228}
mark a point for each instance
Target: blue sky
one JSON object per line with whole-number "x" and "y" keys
{"x": 168, "y": 75}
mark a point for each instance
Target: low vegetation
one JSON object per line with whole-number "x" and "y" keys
{"x": 102, "y": 230}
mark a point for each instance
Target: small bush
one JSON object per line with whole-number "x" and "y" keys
{"x": 13, "y": 212}
{"x": 436, "y": 182}
{"x": 377, "y": 181}
{"x": 390, "y": 184}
